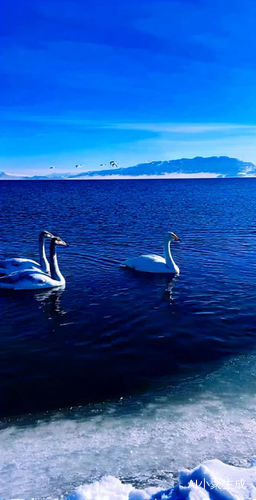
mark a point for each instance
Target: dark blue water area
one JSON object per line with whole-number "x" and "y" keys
{"x": 113, "y": 331}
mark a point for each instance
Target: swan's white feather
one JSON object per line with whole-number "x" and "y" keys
{"x": 8, "y": 266}
{"x": 153, "y": 263}
{"x": 150, "y": 264}
{"x": 29, "y": 280}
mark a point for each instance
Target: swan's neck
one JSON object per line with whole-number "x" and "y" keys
{"x": 43, "y": 259}
{"x": 55, "y": 271}
{"x": 168, "y": 256}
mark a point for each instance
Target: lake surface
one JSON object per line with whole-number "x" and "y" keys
{"x": 145, "y": 357}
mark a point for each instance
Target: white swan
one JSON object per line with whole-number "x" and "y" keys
{"x": 35, "y": 279}
{"x": 155, "y": 263}
{"x": 8, "y": 266}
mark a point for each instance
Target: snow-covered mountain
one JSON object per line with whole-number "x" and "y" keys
{"x": 214, "y": 166}
{"x": 4, "y": 176}
{"x": 221, "y": 166}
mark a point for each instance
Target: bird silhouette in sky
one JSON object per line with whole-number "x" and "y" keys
{"x": 113, "y": 164}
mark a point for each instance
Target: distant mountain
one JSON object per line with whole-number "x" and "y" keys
{"x": 4, "y": 176}
{"x": 213, "y": 166}
{"x": 57, "y": 176}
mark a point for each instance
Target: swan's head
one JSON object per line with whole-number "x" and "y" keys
{"x": 172, "y": 236}
{"x": 58, "y": 241}
{"x": 46, "y": 234}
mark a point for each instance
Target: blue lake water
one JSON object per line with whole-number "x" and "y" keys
{"x": 126, "y": 373}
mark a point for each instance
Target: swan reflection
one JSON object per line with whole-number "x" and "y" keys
{"x": 168, "y": 293}
{"x": 50, "y": 302}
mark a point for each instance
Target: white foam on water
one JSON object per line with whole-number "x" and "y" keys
{"x": 142, "y": 441}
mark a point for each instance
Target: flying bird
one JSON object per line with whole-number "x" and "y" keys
{"x": 113, "y": 163}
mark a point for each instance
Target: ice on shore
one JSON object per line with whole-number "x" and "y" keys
{"x": 212, "y": 480}
{"x": 110, "y": 488}
{"x": 144, "y": 440}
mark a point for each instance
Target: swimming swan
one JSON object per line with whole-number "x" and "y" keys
{"x": 35, "y": 279}
{"x": 8, "y": 266}
{"x": 155, "y": 263}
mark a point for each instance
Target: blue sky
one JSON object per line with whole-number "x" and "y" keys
{"x": 89, "y": 81}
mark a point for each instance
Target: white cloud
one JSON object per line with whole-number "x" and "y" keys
{"x": 155, "y": 127}
{"x": 186, "y": 128}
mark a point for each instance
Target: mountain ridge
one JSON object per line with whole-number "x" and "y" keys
{"x": 213, "y": 166}
{"x": 222, "y": 166}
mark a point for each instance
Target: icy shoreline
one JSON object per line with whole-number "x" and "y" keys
{"x": 212, "y": 480}
{"x": 144, "y": 441}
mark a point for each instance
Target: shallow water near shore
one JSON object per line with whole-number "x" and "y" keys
{"x": 162, "y": 369}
